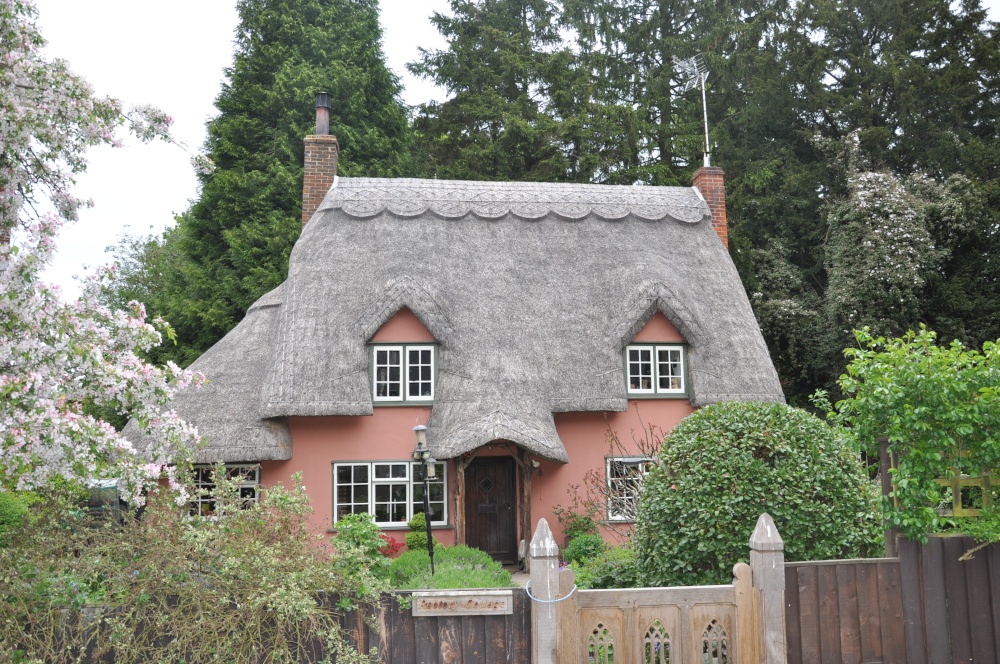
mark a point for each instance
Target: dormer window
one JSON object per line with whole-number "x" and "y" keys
{"x": 655, "y": 369}
{"x": 403, "y": 373}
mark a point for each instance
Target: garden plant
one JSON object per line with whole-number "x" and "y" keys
{"x": 251, "y": 584}
{"x": 724, "y": 465}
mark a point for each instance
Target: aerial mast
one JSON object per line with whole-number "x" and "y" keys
{"x": 691, "y": 72}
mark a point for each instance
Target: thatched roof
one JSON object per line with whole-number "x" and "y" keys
{"x": 227, "y": 409}
{"x": 532, "y": 291}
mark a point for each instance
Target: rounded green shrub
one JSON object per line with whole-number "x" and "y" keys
{"x": 454, "y": 567}
{"x": 13, "y": 514}
{"x": 416, "y": 539}
{"x": 723, "y": 466}
{"x": 616, "y": 567}
{"x": 584, "y": 547}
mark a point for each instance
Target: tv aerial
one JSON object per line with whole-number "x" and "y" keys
{"x": 692, "y": 72}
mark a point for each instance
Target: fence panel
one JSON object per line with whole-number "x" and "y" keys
{"x": 846, "y": 611}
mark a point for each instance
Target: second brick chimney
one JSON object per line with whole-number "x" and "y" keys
{"x": 711, "y": 182}
{"x": 322, "y": 151}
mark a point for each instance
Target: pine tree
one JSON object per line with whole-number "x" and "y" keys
{"x": 232, "y": 245}
{"x": 498, "y": 123}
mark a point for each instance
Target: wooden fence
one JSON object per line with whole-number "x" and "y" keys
{"x": 404, "y": 638}
{"x": 924, "y": 607}
{"x": 844, "y": 611}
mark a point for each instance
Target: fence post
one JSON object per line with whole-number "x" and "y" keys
{"x": 767, "y": 560}
{"x": 544, "y": 585}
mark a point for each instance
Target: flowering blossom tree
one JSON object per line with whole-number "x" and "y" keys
{"x": 59, "y": 359}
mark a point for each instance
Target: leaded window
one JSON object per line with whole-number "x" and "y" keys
{"x": 625, "y": 478}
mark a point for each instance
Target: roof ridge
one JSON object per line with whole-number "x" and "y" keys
{"x": 365, "y": 198}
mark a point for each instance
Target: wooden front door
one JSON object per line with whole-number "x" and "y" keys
{"x": 491, "y": 508}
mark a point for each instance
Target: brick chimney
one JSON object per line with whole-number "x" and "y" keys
{"x": 711, "y": 182}
{"x": 321, "y": 159}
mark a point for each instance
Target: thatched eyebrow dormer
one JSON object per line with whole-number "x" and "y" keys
{"x": 532, "y": 291}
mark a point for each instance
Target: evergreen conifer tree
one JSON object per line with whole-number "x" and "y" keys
{"x": 232, "y": 245}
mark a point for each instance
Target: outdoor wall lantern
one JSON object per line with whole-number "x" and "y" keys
{"x": 423, "y": 455}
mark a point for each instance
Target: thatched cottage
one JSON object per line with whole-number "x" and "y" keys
{"x": 520, "y": 322}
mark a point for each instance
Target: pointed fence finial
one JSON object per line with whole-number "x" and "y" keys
{"x": 765, "y": 536}
{"x": 543, "y": 544}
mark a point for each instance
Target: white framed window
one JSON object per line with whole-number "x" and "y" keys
{"x": 246, "y": 476}
{"x": 392, "y": 491}
{"x": 625, "y": 478}
{"x": 403, "y": 373}
{"x": 655, "y": 369}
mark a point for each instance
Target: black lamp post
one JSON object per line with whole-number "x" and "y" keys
{"x": 423, "y": 455}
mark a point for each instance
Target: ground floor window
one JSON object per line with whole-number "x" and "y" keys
{"x": 247, "y": 479}
{"x": 625, "y": 478}
{"x": 393, "y": 491}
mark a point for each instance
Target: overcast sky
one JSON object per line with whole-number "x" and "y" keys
{"x": 171, "y": 55}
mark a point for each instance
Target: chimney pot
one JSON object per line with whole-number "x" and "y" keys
{"x": 324, "y": 102}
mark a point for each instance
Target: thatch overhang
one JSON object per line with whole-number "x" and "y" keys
{"x": 532, "y": 291}
{"x": 226, "y": 409}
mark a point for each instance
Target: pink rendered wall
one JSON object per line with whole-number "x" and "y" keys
{"x": 319, "y": 441}
{"x": 404, "y": 327}
{"x": 586, "y": 436}
{"x": 659, "y": 328}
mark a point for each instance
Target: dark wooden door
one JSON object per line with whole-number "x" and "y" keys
{"x": 490, "y": 508}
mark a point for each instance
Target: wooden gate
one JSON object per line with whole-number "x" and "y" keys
{"x": 682, "y": 625}
{"x": 738, "y": 623}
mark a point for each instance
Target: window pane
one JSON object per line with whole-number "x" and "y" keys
{"x": 381, "y": 471}
{"x": 670, "y": 369}
{"x": 436, "y": 491}
{"x": 387, "y": 373}
{"x": 361, "y": 473}
{"x": 640, "y": 369}
{"x": 420, "y": 372}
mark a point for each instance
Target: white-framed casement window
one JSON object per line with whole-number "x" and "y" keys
{"x": 625, "y": 478}
{"x": 246, "y": 476}
{"x": 403, "y": 373}
{"x": 393, "y": 491}
{"x": 655, "y": 369}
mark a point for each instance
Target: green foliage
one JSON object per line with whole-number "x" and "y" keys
{"x": 13, "y": 515}
{"x": 232, "y": 245}
{"x": 939, "y": 407}
{"x": 416, "y": 539}
{"x": 495, "y": 126}
{"x": 584, "y": 547}
{"x": 616, "y": 567}
{"x": 723, "y": 466}
{"x": 249, "y": 585}
{"x": 579, "y": 518}
{"x": 454, "y": 567}
{"x": 358, "y": 534}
